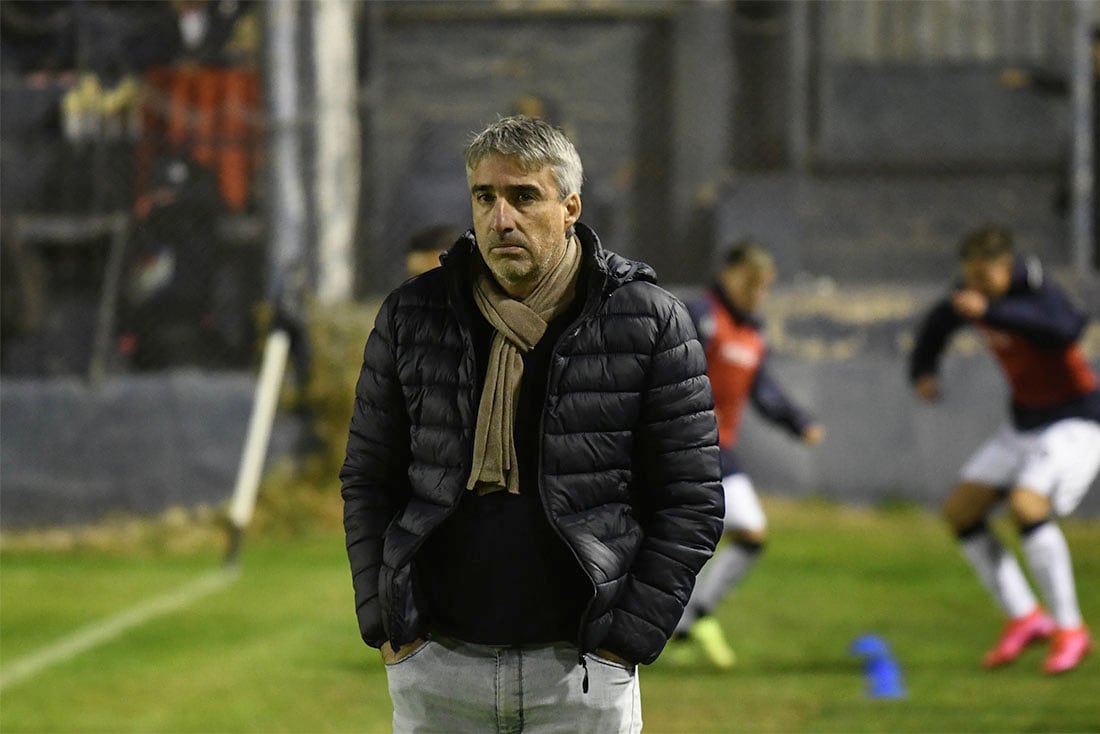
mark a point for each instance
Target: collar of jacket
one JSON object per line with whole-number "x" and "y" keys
{"x": 1027, "y": 274}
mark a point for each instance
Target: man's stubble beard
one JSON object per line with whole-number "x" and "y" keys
{"x": 514, "y": 273}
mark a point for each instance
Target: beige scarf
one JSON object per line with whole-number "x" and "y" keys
{"x": 519, "y": 326}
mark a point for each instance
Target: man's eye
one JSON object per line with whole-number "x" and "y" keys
{"x": 484, "y": 198}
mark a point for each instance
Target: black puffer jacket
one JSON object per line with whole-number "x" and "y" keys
{"x": 629, "y": 459}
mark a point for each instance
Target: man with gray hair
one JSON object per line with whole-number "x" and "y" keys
{"x": 532, "y": 479}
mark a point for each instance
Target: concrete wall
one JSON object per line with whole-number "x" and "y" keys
{"x": 860, "y": 229}
{"x": 72, "y": 454}
{"x": 638, "y": 85}
{"x": 922, "y": 117}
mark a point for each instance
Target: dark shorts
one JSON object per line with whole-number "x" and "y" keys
{"x": 730, "y": 465}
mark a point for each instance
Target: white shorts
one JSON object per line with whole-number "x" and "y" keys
{"x": 743, "y": 510}
{"x": 1058, "y": 461}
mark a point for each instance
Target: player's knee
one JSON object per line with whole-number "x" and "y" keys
{"x": 956, "y": 514}
{"x": 967, "y": 506}
{"x": 1029, "y": 509}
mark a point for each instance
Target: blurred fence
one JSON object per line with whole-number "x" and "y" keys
{"x": 858, "y": 139}
{"x": 131, "y": 224}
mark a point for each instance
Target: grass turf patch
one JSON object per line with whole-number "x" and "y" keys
{"x": 278, "y": 650}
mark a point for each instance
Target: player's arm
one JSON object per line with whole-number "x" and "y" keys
{"x": 374, "y": 482}
{"x": 775, "y": 405}
{"x": 1044, "y": 316}
{"x": 933, "y": 334}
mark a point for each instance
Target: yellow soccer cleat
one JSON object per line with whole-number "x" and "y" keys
{"x": 708, "y": 633}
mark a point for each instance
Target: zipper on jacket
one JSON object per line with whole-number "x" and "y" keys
{"x": 551, "y": 382}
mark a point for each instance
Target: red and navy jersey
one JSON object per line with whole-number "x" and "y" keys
{"x": 737, "y": 368}
{"x": 1033, "y": 330}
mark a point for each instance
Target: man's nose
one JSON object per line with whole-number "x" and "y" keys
{"x": 502, "y": 219}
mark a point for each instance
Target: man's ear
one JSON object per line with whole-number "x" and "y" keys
{"x": 572, "y": 205}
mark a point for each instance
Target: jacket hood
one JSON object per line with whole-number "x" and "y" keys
{"x": 618, "y": 269}
{"x": 1027, "y": 274}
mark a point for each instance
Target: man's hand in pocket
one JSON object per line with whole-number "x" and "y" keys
{"x": 391, "y": 656}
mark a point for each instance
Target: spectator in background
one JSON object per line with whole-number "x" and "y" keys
{"x": 730, "y": 331}
{"x": 1042, "y": 462}
{"x": 118, "y": 38}
{"x": 531, "y": 481}
{"x": 425, "y": 247}
{"x": 168, "y": 317}
{"x": 211, "y": 32}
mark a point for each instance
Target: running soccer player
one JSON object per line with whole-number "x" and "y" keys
{"x": 1042, "y": 461}
{"x": 731, "y": 335}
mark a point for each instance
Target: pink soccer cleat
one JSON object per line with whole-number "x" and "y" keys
{"x": 1067, "y": 650}
{"x": 1017, "y": 634}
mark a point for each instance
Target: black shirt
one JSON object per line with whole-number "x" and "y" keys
{"x": 496, "y": 572}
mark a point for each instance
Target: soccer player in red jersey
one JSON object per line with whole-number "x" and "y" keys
{"x": 1042, "y": 461}
{"x": 731, "y": 333}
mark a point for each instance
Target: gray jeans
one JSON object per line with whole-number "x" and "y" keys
{"x": 452, "y": 686}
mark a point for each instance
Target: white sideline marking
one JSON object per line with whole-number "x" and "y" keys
{"x": 96, "y": 634}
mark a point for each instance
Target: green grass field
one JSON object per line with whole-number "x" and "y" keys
{"x": 278, "y": 651}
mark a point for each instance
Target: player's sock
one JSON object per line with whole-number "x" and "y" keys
{"x": 722, "y": 574}
{"x": 998, "y": 570}
{"x": 1048, "y": 558}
